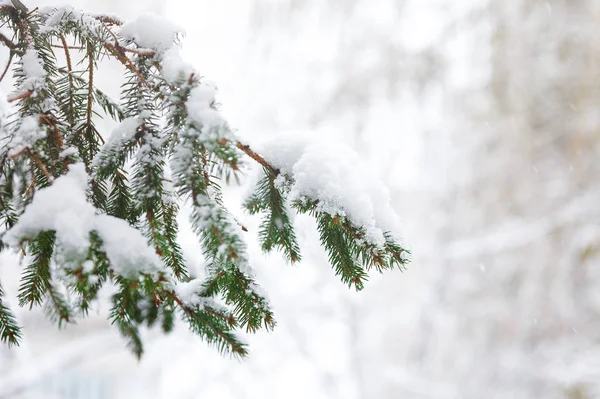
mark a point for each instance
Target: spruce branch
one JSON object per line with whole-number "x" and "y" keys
{"x": 276, "y": 229}
{"x": 172, "y": 147}
{"x": 10, "y": 332}
{"x": 35, "y": 281}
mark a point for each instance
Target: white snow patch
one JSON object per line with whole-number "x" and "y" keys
{"x": 124, "y": 132}
{"x": 26, "y": 135}
{"x": 333, "y": 173}
{"x": 32, "y": 65}
{"x": 151, "y": 31}
{"x": 189, "y": 293}
{"x": 174, "y": 67}
{"x": 63, "y": 207}
{"x": 125, "y": 246}
{"x": 200, "y": 111}
{"x": 55, "y": 17}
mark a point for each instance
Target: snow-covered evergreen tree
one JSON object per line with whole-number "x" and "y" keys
{"x": 88, "y": 209}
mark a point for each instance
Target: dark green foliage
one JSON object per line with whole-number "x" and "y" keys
{"x": 35, "y": 281}
{"x": 10, "y": 332}
{"x": 126, "y": 314}
{"x": 349, "y": 252}
{"x": 56, "y": 307}
{"x": 161, "y": 157}
{"x": 276, "y": 230}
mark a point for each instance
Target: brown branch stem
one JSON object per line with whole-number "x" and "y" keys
{"x": 10, "y": 57}
{"x": 248, "y": 151}
{"x": 8, "y": 43}
{"x": 69, "y": 47}
{"x": 119, "y": 55}
{"x": 40, "y": 164}
{"x": 71, "y": 84}
{"x": 25, "y": 94}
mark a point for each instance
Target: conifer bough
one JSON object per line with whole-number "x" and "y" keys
{"x": 87, "y": 209}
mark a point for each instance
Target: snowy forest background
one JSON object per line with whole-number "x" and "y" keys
{"x": 482, "y": 118}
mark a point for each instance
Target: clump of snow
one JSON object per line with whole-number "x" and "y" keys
{"x": 174, "y": 68}
{"x": 200, "y": 110}
{"x": 33, "y": 73}
{"x": 87, "y": 267}
{"x": 32, "y": 65}
{"x": 63, "y": 208}
{"x": 334, "y": 174}
{"x": 26, "y": 135}
{"x": 126, "y": 247}
{"x": 151, "y": 31}
{"x": 68, "y": 152}
{"x": 189, "y": 293}
{"x": 55, "y": 17}
{"x": 123, "y": 133}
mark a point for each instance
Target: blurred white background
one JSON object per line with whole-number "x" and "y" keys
{"x": 480, "y": 115}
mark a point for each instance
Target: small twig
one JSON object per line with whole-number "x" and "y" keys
{"x": 57, "y": 134}
{"x": 140, "y": 51}
{"x": 205, "y": 168}
{"x": 18, "y": 154}
{"x": 107, "y": 19}
{"x": 40, "y": 165}
{"x": 69, "y": 47}
{"x": 25, "y": 94}
{"x": 111, "y": 33}
{"x": 118, "y": 53}
{"x": 90, "y": 85}
{"x": 32, "y": 11}
{"x": 71, "y": 85}
{"x": 10, "y": 57}
{"x": 8, "y": 43}
{"x": 248, "y": 151}
{"x": 82, "y": 80}
{"x": 29, "y": 188}
{"x": 229, "y": 319}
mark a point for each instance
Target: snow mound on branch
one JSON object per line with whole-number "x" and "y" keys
{"x": 123, "y": 133}
{"x": 151, "y": 31}
{"x": 32, "y": 65}
{"x": 334, "y": 174}
{"x": 126, "y": 248}
{"x": 33, "y": 73}
{"x": 26, "y": 135}
{"x": 200, "y": 111}
{"x": 174, "y": 67}
{"x": 56, "y": 17}
{"x": 160, "y": 34}
{"x": 63, "y": 208}
{"x": 189, "y": 293}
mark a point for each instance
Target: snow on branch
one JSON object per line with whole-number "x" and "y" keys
{"x": 89, "y": 211}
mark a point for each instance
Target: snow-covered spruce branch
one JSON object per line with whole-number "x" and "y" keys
{"x": 85, "y": 211}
